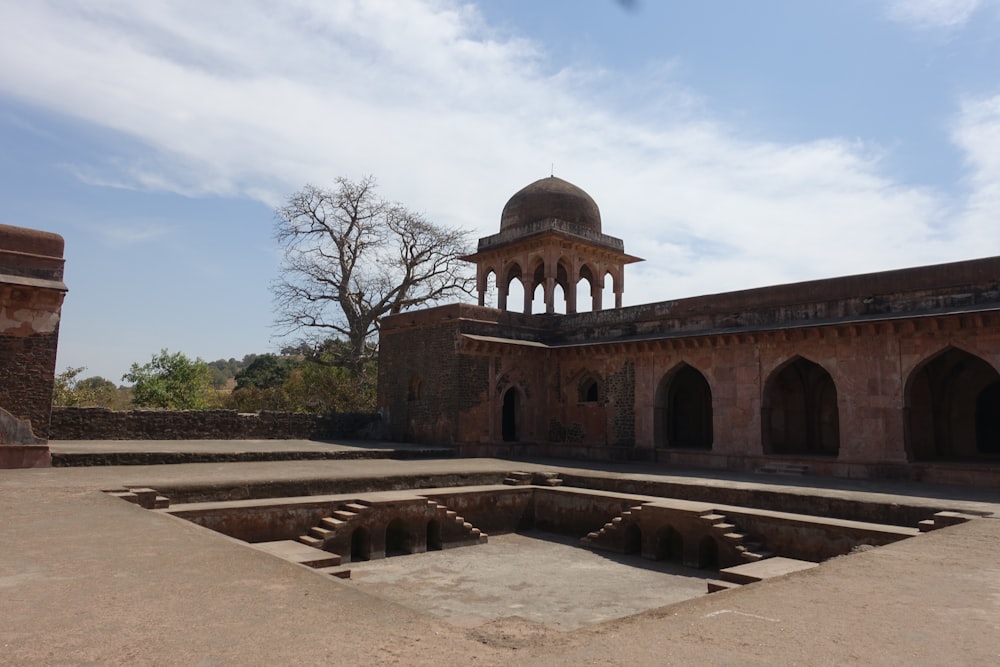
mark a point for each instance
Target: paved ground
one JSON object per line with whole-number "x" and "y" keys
{"x": 542, "y": 578}
{"x": 89, "y": 579}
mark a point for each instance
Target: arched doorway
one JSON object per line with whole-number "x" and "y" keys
{"x": 434, "y": 542}
{"x": 669, "y": 545}
{"x": 708, "y": 553}
{"x": 633, "y": 539}
{"x": 398, "y": 540}
{"x": 509, "y": 417}
{"x": 683, "y": 410}
{"x": 953, "y": 408}
{"x": 361, "y": 545}
{"x": 799, "y": 412}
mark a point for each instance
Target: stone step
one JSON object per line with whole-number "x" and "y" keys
{"x": 321, "y": 533}
{"x": 298, "y": 552}
{"x": 467, "y": 525}
{"x": 161, "y": 503}
{"x": 553, "y": 482}
{"x": 343, "y": 515}
{"x": 725, "y": 527}
{"x": 311, "y": 541}
{"x": 336, "y": 571}
{"x": 716, "y": 585}
{"x": 734, "y": 537}
{"x": 755, "y": 556}
{"x": 712, "y": 517}
{"x": 593, "y": 536}
{"x": 355, "y": 507}
{"x": 766, "y": 569}
{"x": 927, "y": 525}
{"x": 331, "y": 523}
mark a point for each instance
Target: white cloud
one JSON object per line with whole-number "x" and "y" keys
{"x": 934, "y": 13}
{"x": 256, "y": 99}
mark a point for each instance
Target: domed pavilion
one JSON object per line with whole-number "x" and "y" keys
{"x": 550, "y": 235}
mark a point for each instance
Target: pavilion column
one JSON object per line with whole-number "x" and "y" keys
{"x": 528, "y": 293}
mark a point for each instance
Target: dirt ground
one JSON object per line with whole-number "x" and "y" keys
{"x": 86, "y": 579}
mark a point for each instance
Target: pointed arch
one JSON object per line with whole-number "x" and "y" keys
{"x": 398, "y": 538}
{"x": 510, "y": 290}
{"x": 799, "y": 412}
{"x": 585, "y": 287}
{"x": 633, "y": 539}
{"x": 683, "y": 410}
{"x": 952, "y": 408}
{"x": 510, "y": 416}
{"x": 588, "y": 389}
{"x": 361, "y": 545}
{"x": 669, "y": 545}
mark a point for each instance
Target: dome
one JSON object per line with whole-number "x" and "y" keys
{"x": 551, "y": 198}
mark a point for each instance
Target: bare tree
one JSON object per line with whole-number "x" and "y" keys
{"x": 351, "y": 257}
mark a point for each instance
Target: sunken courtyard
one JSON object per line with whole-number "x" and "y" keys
{"x": 801, "y": 474}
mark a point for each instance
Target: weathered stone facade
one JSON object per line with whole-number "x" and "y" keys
{"x": 31, "y": 296}
{"x": 893, "y": 374}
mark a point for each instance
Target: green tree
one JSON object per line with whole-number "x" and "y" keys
{"x": 170, "y": 381}
{"x": 96, "y": 391}
{"x": 264, "y": 372}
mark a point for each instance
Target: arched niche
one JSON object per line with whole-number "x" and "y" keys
{"x": 799, "y": 410}
{"x": 952, "y": 408}
{"x": 683, "y": 410}
{"x": 510, "y": 415}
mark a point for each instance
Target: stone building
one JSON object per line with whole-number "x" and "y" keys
{"x": 890, "y": 374}
{"x": 31, "y": 296}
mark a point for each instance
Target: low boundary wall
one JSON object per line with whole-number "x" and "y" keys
{"x": 103, "y": 424}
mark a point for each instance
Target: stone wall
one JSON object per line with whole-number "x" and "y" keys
{"x": 31, "y": 297}
{"x": 104, "y": 424}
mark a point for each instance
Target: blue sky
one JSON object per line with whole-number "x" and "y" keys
{"x": 731, "y": 144}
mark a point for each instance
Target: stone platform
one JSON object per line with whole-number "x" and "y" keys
{"x": 86, "y": 578}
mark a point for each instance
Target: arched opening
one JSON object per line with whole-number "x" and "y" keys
{"x": 585, "y": 291}
{"x": 361, "y": 545}
{"x": 669, "y": 545}
{"x": 515, "y": 291}
{"x": 608, "y": 292}
{"x": 398, "y": 540}
{"x": 559, "y": 301}
{"x": 953, "y": 408}
{"x": 588, "y": 391}
{"x": 509, "y": 418}
{"x": 683, "y": 410}
{"x": 434, "y": 542}
{"x": 799, "y": 411}
{"x": 708, "y": 553}
{"x": 633, "y": 539}
{"x": 988, "y": 420}
{"x": 491, "y": 286}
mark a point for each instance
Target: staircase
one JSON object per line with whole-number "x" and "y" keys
{"x": 333, "y": 533}
{"x": 344, "y": 518}
{"x": 734, "y": 545}
{"x": 728, "y": 534}
{"x": 455, "y": 530}
{"x": 612, "y": 534}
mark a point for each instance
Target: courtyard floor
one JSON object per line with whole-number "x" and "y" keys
{"x": 86, "y": 578}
